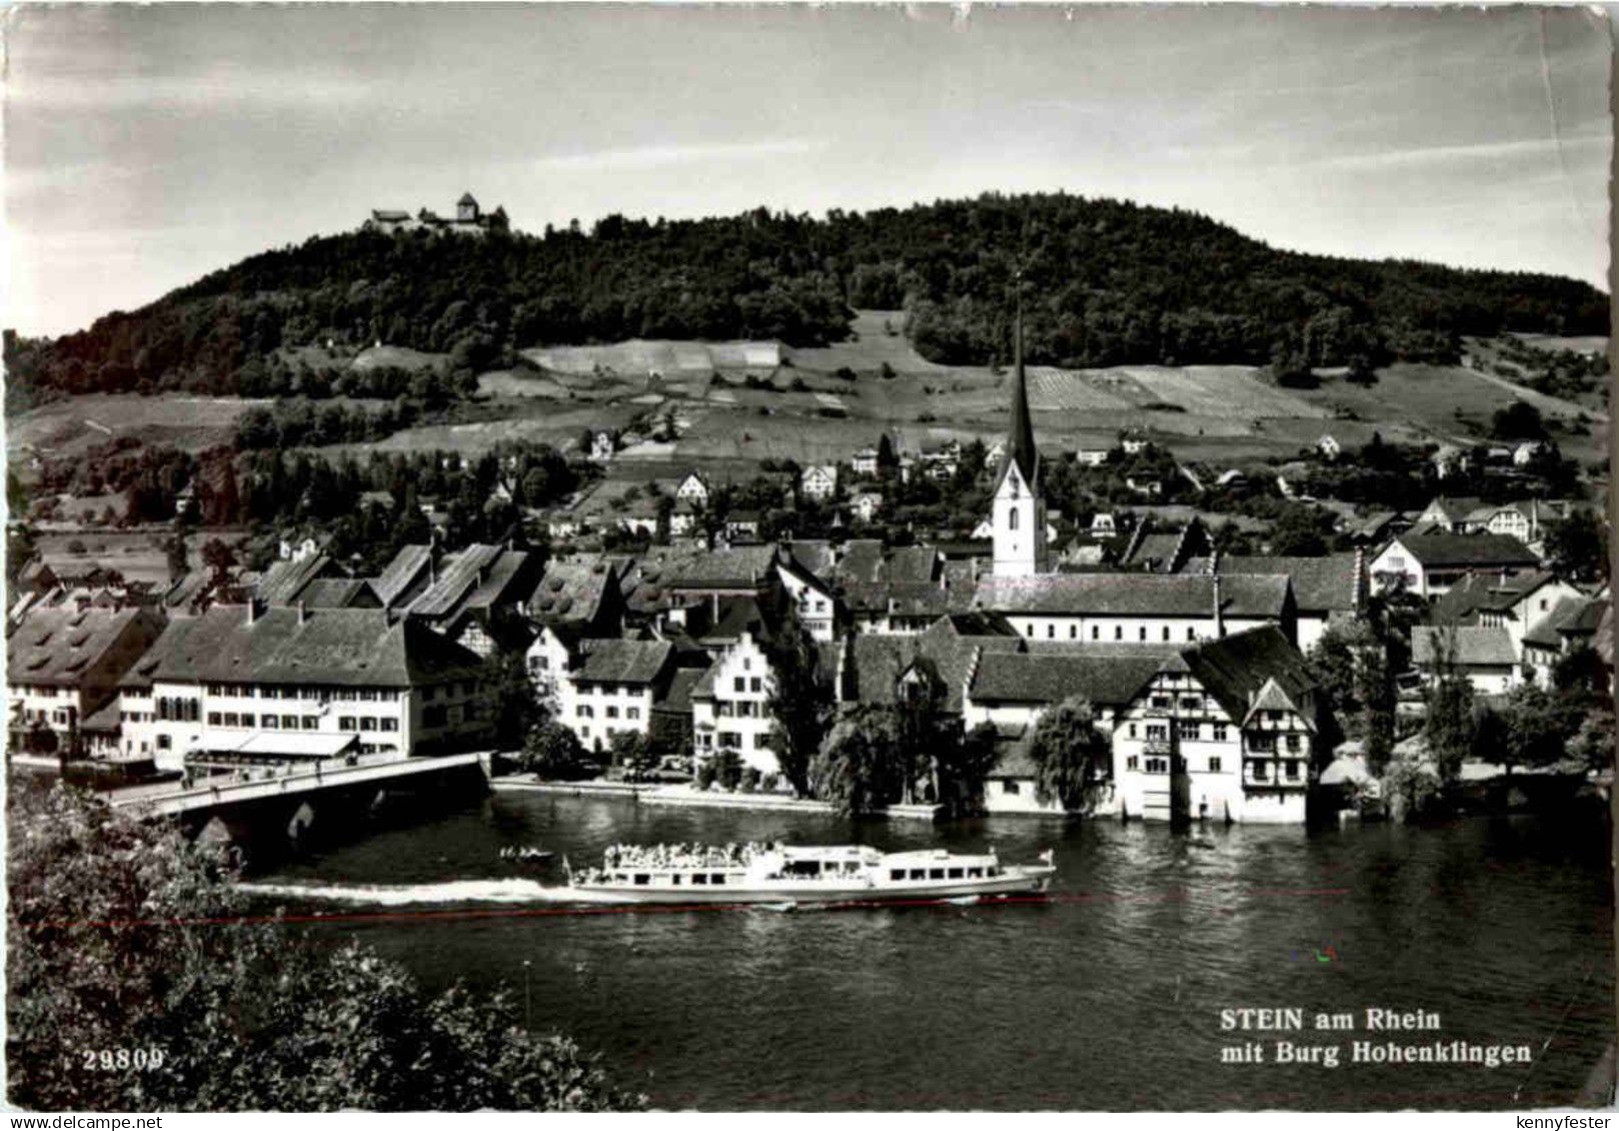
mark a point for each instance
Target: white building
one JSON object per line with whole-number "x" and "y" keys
{"x": 603, "y": 446}
{"x": 864, "y": 462}
{"x": 1430, "y": 564}
{"x": 608, "y": 687}
{"x": 867, "y": 505}
{"x": 1228, "y": 730}
{"x": 693, "y": 489}
{"x": 299, "y": 682}
{"x": 819, "y": 482}
{"x": 731, "y": 706}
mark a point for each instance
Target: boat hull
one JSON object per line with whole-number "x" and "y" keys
{"x": 1014, "y": 881}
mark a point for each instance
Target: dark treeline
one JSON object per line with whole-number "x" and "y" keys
{"x": 1107, "y": 282}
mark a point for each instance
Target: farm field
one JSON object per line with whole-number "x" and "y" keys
{"x": 71, "y": 427}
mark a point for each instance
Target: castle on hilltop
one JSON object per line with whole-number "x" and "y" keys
{"x": 468, "y": 220}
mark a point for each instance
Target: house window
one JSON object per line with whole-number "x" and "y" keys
{"x": 1161, "y": 702}
{"x": 1158, "y": 765}
{"x": 1293, "y": 742}
{"x": 1214, "y": 765}
{"x": 1292, "y": 769}
{"x": 1166, "y": 632}
{"x": 1096, "y": 632}
{"x": 1132, "y": 730}
{"x": 1191, "y": 634}
{"x": 1265, "y": 743}
{"x": 612, "y": 712}
{"x": 1190, "y": 703}
{"x": 756, "y": 684}
{"x": 1009, "y": 788}
{"x": 740, "y": 684}
{"x": 1157, "y": 732}
{"x": 632, "y": 712}
{"x": 1143, "y": 636}
{"x": 1051, "y": 632}
{"x": 1029, "y": 628}
{"x": 1011, "y": 520}
{"x": 1132, "y": 763}
{"x": 1118, "y": 632}
{"x": 1186, "y": 729}
{"x": 1073, "y": 632}
{"x": 1261, "y": 771}
{"x": 1219, "y": 732}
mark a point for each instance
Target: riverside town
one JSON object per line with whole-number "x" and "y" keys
{"x": 461, "y": 656}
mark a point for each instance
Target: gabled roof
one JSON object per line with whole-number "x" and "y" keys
{"x": 676, "y": 697}
{"x": 286, "y": 578}
{"x": 399, "y": 580}
{"x": 1320, "y": 585}
{"x": 862, "y": 560}
{"x": 339, "y": 593}
{"x": 1254, "y": 670}
{"x": 912, "y": 563}
{"x": 573, "y": 590}
{"x": 1135, "y": 594}
{"x": 1475, "y": 645}
{"x": 1487, "y": 591}
{"x": 947, "y": 646}
{"x": 1107, "y": 679}
{"x": 814, "y": 557}
{"x": 739, "y": 567}
{"x": 56, "y": 646}
{"x": 357, "y": 647}
{"x": 1482, "y": 550}
{"x": 623, "y": 661}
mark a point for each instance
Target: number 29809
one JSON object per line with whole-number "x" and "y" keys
{"x": 118, "y": 1060}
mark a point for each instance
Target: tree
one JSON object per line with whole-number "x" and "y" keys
{"x": 516, "y": 707}
{"x": 1536, "y": 729}
{"x": 219, "y": 558}
{"x": 1449, "y": 726}
{"x": 1519, "y": 420}
{"x": 553, "y": 751}
{"x": 103, "y": 953}
{"x": 1070, "y": 754}
{"x": 633, "y": 754}
{"x": 800, "y": 701}
{"x": 859, "y": 767}
{"x": 1578, "y": 546}
{"x": 1350, "y": 664}
{"x": 174, "y": 552}
{"x": 964, "y": 766}
{"x": 1301, "y": 531}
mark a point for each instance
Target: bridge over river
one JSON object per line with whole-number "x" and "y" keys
{"x": 289, "y": 803}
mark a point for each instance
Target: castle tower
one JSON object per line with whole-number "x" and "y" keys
{"x": 466, "y": 209}
{"x": 1018, "y": 515}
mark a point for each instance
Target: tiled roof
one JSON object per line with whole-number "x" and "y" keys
{"x": 56, "y": 646}
{"x": 358, "y": 647}
{"x": 476, "y": 577}
{"x": 624, "y": 661}
{"x": 399, "y": 580}
{"x": 1106, "y": 679}
{"x": 1242, "y": 669}
{"x": 1439, "y": 549}
{"x": 879, "y": 661}
{"x": 1475, "y": 645}
{"x": 1134, "y": 594}
{"x": 862, "y": 561}
{"x": 104, "y": 721}
{"x": 286, "y": 578}
{"x": 676, "y": 698}
{"x": 1320, "y": 585}
{"x": 740, "y": 567}
{"x": 339, "y": 593}
{"x": 572, "y": 590}
{"x": 912, "y": 563}
{"x": 1486, "y": 590}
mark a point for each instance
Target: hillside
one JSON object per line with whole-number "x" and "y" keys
{"x": 1108, "y": 283}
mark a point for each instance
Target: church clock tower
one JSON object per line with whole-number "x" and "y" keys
{"x": 1018, "y": 517}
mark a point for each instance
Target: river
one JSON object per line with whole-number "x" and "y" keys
{"x": 1107, "y": 998}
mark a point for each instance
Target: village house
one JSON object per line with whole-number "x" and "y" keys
{"x": 1515, "y": 601}
{"x": 1329, "y": 448}
{"x": 603, "y": 446}
{"x": 1327, "y": 590}
{"x": 731, "y": 706}
{"x": 1429, "y": 564}
{"x": 693, "y": 489}
{"x": 1093, "y": 457}
{"x": 1484, "y": 654}
{"x": 63, "y": 666}
{"x": 742, "y": 526}
{"x": 1230, "y": 730}
{"x": 476, "y": 597}
{"x": 1574, "y": 623}
{"x": 866, "y": 506}
{"x": 819, "y": 482}
{"x": 292, "y": 685}
{"x": 864, "y": 462}
{"x": 609, "y": 687}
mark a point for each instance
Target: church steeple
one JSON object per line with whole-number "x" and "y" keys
{"x": 1020, "y": 440}
{"x": 1018, "y": 513}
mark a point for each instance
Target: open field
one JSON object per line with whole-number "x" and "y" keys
{"x": 398, "y": 357}
{"x": 1552, "y": 344}
{"x": 70, "y": 427}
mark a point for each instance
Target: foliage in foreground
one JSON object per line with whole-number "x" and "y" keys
{"x": 120, "y": 936}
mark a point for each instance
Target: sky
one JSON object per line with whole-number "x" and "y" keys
{"x": 147, "y": 145}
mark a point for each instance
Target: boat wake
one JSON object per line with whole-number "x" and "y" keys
{"x": 502, "y": 891}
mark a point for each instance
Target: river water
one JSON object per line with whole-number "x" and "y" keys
{"x": 1107, "y": 998}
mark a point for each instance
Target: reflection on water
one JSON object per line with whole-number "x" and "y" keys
{"x": 1107, "y": 997}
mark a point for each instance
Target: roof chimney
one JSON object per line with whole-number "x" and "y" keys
{"x": 303, "y": 611}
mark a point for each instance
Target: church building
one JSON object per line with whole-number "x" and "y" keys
{"x": 1018, "y": 515}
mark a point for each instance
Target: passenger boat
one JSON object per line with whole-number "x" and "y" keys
{"x": 784, "y": 875}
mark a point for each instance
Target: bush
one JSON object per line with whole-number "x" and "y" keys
{"x": 705, "y": 774}
{"x": 729, "y": 768}
{"x": 750, "y": 780}
{"x": 769, "y": 782}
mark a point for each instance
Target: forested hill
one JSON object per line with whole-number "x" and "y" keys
{"x": 1106, "y": 283}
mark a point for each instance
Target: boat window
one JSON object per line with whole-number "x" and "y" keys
{"x": 642, "y": 878}
{"x": 975, "y": 873}
{"x": 719, "y": 877}
{"x": 935, "y": 873}
{"x": 700, "y": 878}
{"x": 896, "y": 873}
{"x": 675, "y": 879}
{"x": 802, "y": 868}
{"x": 919, "y": 874}
{"x": 955, "y": 873}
